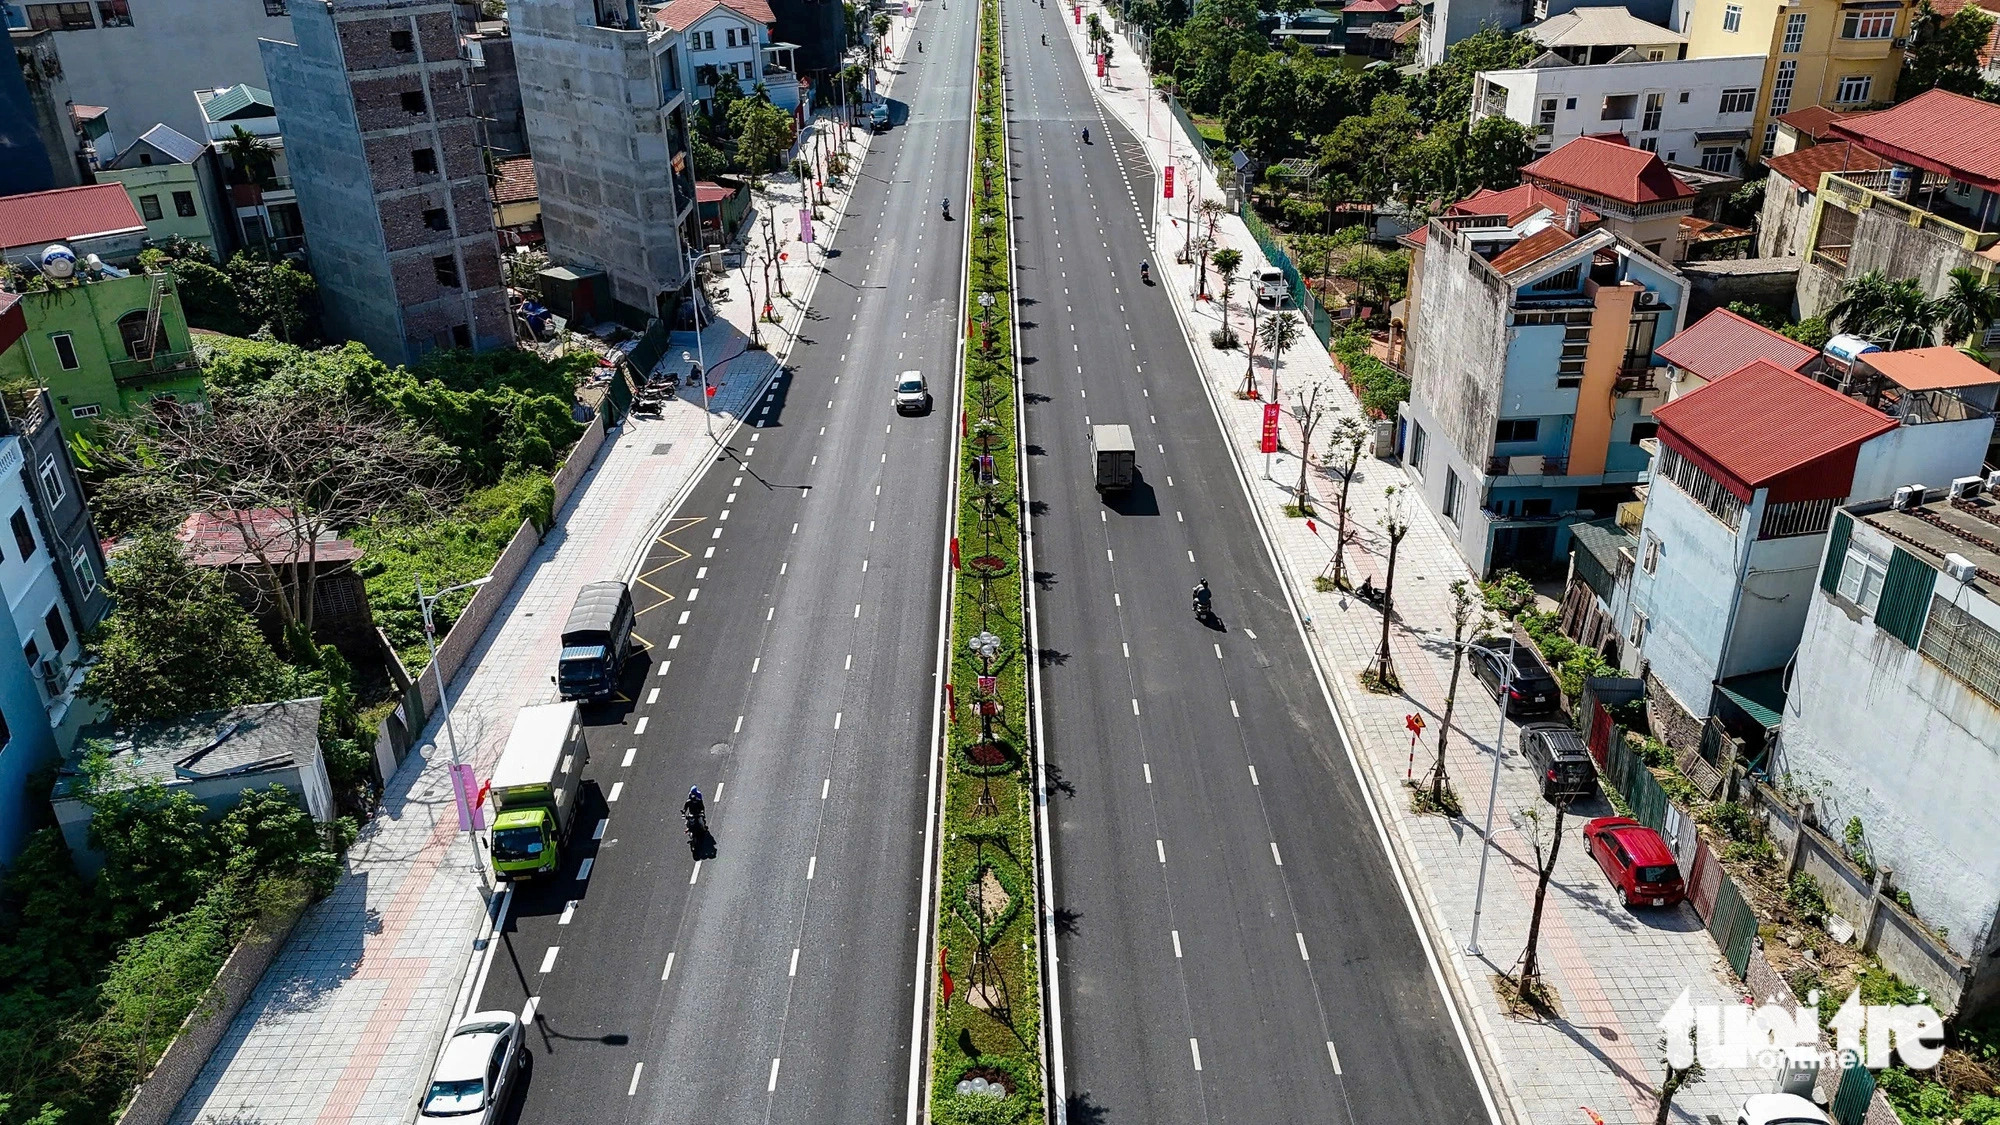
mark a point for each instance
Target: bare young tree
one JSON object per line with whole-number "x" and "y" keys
{"x": 1464, "y": 598}
{"x": 1677, "y": 1078}
{"x": 1545, "y": 863}
{"x": 1308, "y": 412}
{"x": 1395, "y": 525}
{"x": 1350, "y": 436}
{"x": 285, "y": 475}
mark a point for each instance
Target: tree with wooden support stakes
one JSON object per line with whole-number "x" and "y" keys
{"x": 1529, "y": 992}
{"x": 1464, "y": 599}
{"x": 1308, "y": 411}
{"x": 1281, "y": 331}
{"x": 1350, "y": 437}
{"x": 1395, "y": 525}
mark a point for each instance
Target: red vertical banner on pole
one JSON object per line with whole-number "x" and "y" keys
{"x": 1077, "y": 10}
{"x": 1169, "y": 182}
{"x": 954, "y": 552}
{"x": 1270, "y": 442}
{"x": 944, "y": 971}
{"x": 1100, "y": 66}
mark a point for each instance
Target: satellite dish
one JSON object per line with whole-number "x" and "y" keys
{"x": 58, "y": 262}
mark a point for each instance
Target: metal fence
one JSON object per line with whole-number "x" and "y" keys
{"x": 1850, "y": 1100}
{"x": 1302, "y": 298}
{"x": 1195, "y": 138}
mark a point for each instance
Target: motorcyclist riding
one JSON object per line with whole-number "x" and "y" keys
{"x": 1201, "y": 598}
{"x": 1086, "y": 136}
{"x": 1045, "y": 40}
{"x": 946, "y": 205}
{"x": 1146, "y": 272}
{"x": 693, "y": 806}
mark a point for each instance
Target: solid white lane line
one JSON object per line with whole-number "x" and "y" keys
{"x": 669, "y": 970}
{"x": 1160, "y": 846}
{"x": 640, "y": 726}
{"x": 795, "y": 963}
{"x": 1303, "y": 955}
{"x": 836, "y": 720}
{"x": 1179, "y": 517}
{"x": 718, "y": 791}
{"x": 1334, "y": 1055}
{"x": 583, "y": 869}
{"x": 549, "y": 958}
{"x": 630, "y": 753}
{"x": 1177, "y": 943}
{"x": 1195, "y": 1045}
{"x": 770, "y": 613}
{"x": 617, "y": 787}
{"x": 1127, "y": 647}
{"x": 857, "y": 609}
{"x": 1135, "y": 706}
{"x": 812, "y": 866}
{"x": 569, "y": 911}
{"x": 1275, "y": 857}
{"x": 849, "y": 666}
{"x": 634, "y": 1087}
{"x": 1108, "y": 557}
{"x": 1218, "y": 652}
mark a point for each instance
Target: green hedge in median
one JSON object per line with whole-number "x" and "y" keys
{"x": 988, "y": 1028}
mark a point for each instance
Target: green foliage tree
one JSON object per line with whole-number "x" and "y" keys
{"x": 172, "y": 619}
{"x": 1895, "y": 312}
{"x": 1944, "y": 53}
{"x": 1444, "y": 92}
{"x": 1495, "y": 149}
{"x": 1970, "y": 302}
{"x": 763, "y": 133}
{"x": 1261, "y": 109}
{"x": 1812, "y": 331}
{"x": 159, "y": 856}
{"x": 1207, "y": 47}
{"x": 1364, "y": 155}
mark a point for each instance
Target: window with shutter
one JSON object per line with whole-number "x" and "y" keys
{"x": 1836, "y": 552}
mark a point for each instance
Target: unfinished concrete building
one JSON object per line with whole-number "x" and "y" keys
{"x": 607, "y": 119}
{"x": 375, "y": 104}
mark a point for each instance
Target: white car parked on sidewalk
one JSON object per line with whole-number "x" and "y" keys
{"x": 1780, "y": 1109}
{"x": 475, "y": 1072}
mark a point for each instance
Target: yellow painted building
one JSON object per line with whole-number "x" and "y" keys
{"x": 1842, "y": 54}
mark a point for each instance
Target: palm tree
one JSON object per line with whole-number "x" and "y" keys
{"x": 1227, "y": 260}
{"x": 1970, "y": 302}
{"x": 1278, "y": 333}
{"x": 250, "y": 154}
{"x": 1895, "y": 312}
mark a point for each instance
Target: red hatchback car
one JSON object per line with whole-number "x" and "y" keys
{"x": 1639, "y": 863}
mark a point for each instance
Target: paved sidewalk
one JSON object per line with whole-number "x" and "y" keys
{"x": 1615, "y": 971}
{"x": 346, "y": 1023}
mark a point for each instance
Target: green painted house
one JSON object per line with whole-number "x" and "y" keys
{"x": 87, "y": 343}
{"x": 171, "y": 182}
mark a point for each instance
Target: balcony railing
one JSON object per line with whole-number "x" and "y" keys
{"x": 1527, "y": 465}
{"x": 161, "y": 363}
{"x": 1638, "y": 379}
{"x": 1866, "y": 189}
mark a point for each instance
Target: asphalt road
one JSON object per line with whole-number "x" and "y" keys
{"x": 792, "y": 610}
{"x": 1233, "y": 943}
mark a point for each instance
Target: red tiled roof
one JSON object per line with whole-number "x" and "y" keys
{"x": 1763, "y": 426}
{"x": 1545, "y": 241}
{"x": 1613, "y": 170}
{"x": 1938, "y": 131}
{"x": 682, "y": 14}
{"x": 41, "y": 217}
{"x": 214, "y": 539}
{"x": 1518, "y": 203}
{"x": 1380, "y": 6}
{"x": 707, "y": 192}
{"x": 1722, "y": 342}
{"x": 517, "y": 180}
{"x": 1987, "y": 50}
{"x": 1803, "y": 166}
{"x": 1812, "y": 120}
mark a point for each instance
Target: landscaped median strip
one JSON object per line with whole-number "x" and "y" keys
{"x": 986, "y": 1048}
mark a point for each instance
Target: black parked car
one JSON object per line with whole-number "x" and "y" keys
{"x": 1561, "y": 759}
{"x": 1533, "y": 691}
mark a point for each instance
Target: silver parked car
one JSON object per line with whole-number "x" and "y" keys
{"x": 913, "y": 395}
{"x": 475, "y": 1072}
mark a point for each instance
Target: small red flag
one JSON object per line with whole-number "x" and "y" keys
{"x": 954, "y": 552}
{"x": 483, "y": 791}
{"x": 1312, "y": 527}
{"x": 711, "y": 392}
{"x": 946, "y": 971}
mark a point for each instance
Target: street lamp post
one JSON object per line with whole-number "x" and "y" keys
{"x": 701, "y": 356}
{"x": 1493, "y": 788}
{"x": 424, "y": 603}
{"x": 986, "y": 323}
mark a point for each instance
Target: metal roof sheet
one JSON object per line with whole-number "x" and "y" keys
{"x": 1610, "y": 169}
{"x": 237, "y": 101}
{"x": 1599, "y": 27}
{"x": 1938, "y": 131}
{"x": 42, "y": 217}
{"x": 1722, "y": 342}
{"x": 1931, "y": 369}
{"x": 1763, "y": 421}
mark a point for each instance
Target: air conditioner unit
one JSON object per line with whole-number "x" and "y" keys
{"x": 1993, "y": 481}
{"x": 1900, "y": 42}
{"x": 1960, "y": 567}
{"x": 1648, "y": 299}
{"x": 1965, "y": 488}
{"x": 1908, "y": 498}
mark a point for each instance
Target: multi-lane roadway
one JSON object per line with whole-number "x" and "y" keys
{"x": 792, "y": 612}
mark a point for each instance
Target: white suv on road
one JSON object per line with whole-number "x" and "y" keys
{"x": 913, "y": 395}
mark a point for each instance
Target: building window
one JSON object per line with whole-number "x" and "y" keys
{"x": 58, "y": 632}
{"x": 1644, "y": 431}
{"x": 1701, "y": 488}
{"x": 88, "y": 410}
{"x": 1800, "y": 517}
{"x": 1854, "y": 88}
{"x": 132, "y": 331}
{"x": 401, "y": 40}
{"x": 436, "y": 219}
{"x": 446, "y": 268}
{"x": 1545, "y": 118}
{"x": 461, "y": 336}
{"x": 86, "y": 574}
{"x": 276, "y": 8}
{"x": 1868, "y": 25}
{"x": 1649, "y": 144}
{"x": 1451, "y": 495}
{"x": 1418, "y": 441}
{"x": 1795, "y": 33}
{"x": 1732, "y": 18}
{"x": 1964, "y": 646}
{"x": 52, "y": 482}
{"x": 1861, "y": 577}
{"x": 65, "y": 351}
{"x": 60, "y": 17}
{"x": 24, "y": 536}
{"x": 1517, "y": 429}
{"x": 184, "y": 204}
{"x": 707, "y": 40}
{"x": 413, "y": 101}
{"x": 1569, "y": 103}
{"x": 1649, "y": 553}
{"x": 1718, "y": 159}
{"x": 1738, "y": 99}
{"x": 1655, "y": 104}
{"x": 424, "y": 161}
{"x": 149, "y": 208}
{"x": 33, "y": 653}
{"x": 1559, "y": 282}
{"x": 114, "y": 13}
{"x": 1638, "y": 627}
{"x": 1620, "y": 107}
{"x": 1770, "y": 137}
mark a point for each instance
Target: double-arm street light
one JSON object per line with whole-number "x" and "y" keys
{"x": 1506, "y": 660}
{"x": 425, "y": 601}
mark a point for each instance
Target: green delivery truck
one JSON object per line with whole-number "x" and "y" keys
{"x": 535, "y": 790}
